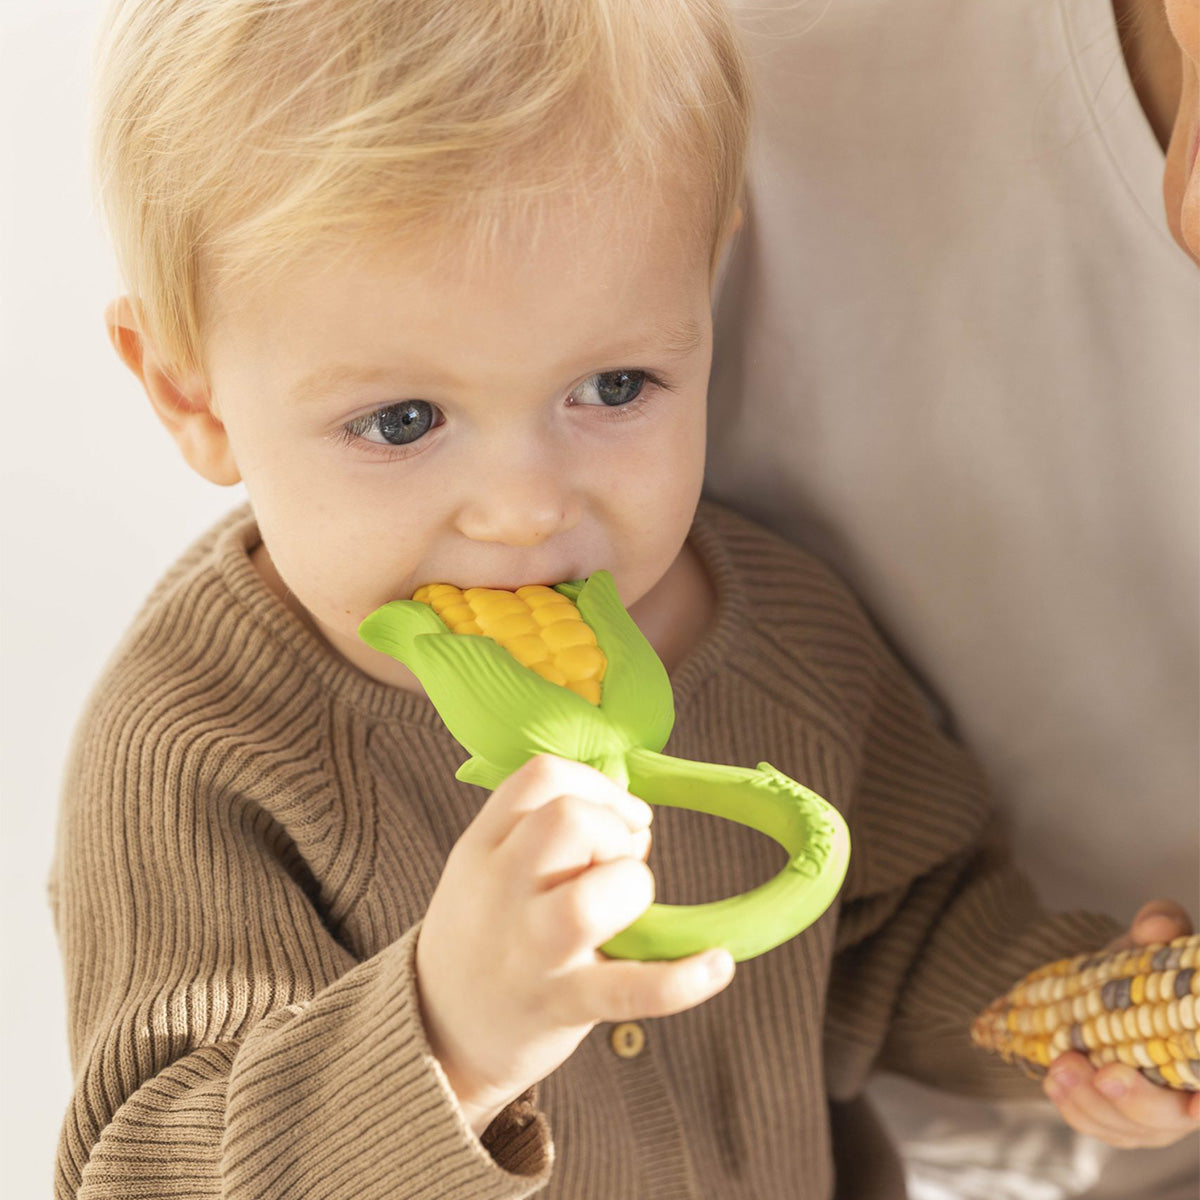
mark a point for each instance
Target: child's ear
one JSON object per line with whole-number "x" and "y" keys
{"x": 183, "y": 406}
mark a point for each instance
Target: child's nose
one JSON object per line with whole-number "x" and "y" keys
{"x": 518, "y": 505}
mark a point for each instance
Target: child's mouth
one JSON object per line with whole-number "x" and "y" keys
{"x": 510, "y": 584}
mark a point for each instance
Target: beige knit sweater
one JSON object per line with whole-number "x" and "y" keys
{"x": 250, "y": 833}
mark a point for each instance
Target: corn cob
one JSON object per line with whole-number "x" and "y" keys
{"x": 539, "y": 627}
{"x": 1138, "y": 1006}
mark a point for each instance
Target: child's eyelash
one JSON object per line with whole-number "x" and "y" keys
{"x": 635, "y": 407}
{"x": 349, "y": 434}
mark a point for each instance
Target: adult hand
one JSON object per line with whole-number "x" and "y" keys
{"x": 1115, "y": 1103}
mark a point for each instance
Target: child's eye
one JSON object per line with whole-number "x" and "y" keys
{"x": 613, "y": 388}
{"x": 396, "y": 425}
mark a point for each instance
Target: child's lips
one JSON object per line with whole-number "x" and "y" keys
{"x": 511, "y": 584}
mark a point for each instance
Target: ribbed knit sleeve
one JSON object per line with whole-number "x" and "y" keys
{"x": 935, "y": 920}
{"x": 226, "y": 1037}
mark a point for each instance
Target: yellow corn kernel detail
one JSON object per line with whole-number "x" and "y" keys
{"x": 1140, "y": 1007}
{"x": 564, "y": 634}
{"x": 435, "y": 593}
{"x": 538, "y": 594}
{"x": 581, "y": 662}
{"x": 548, "y": 671}
{"x": 1162, "y": 1027}
{"x": 539, "y": 627}
{"x": 514, "y": 625}
{"x": 589, "y": 689}
{"x": 1187, "y": 1012}
{"x": 528, "y": 649}
{"x": 1158, "y": 1051}
{"x": 549, "y": 614}
{"x": 455, "y": 614}
{"x": 1169, "y": 1072}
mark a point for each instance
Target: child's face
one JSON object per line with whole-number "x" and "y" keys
{"x": 1181, "y": 180}
{"x": 532, "y": 419}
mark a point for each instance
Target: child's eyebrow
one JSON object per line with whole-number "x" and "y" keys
{"x": 677, "y": 338}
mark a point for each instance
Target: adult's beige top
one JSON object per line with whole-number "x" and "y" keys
{"x": 957, "y": 354}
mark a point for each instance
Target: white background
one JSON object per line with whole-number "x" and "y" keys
{"x": 94, "y": 503}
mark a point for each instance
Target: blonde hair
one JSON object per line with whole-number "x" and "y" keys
{"x": 230, "y": 137}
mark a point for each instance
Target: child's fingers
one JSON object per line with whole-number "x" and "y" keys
{"x": 641, "y": 843}
{"x": 543, "y": 778}
{"x": 626, "y": 990}
{"x": 563, "y": 837}
{"x": 589, "y": 909}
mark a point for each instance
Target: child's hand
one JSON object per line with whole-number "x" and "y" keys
{"x": 507, "y": 967}
{"x": 1115, "y": 1103}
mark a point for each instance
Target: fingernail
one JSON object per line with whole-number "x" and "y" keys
{"x": 1113, "y": 1086}
{"x": 718, "y": 965}
{"x": 1064, "y": 1079}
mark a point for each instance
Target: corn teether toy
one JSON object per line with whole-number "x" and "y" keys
{"x": 1137, "y": 1006}
{"x": 566, "y": 671}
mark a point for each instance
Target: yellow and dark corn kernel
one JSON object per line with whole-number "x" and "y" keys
{"x": 1139, "y": 1006}
{"x": 539, "y": 627}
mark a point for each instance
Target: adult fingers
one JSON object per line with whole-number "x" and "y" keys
{"x": 1160, "y": 921}
{"x": 1117, "y": 1104}
{"x": 1068, "y": 1085}
{"x": 1155, "y": 921}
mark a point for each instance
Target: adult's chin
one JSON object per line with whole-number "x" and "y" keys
{"x": 1181, "y": 180}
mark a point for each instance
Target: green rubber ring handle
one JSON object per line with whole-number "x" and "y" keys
{"x": 810, "y": 829}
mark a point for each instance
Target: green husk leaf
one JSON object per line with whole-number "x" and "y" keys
{"x": 481, "y": 773}
{"x": 497, "y": 709}
{"x": 394, "y": 627}
{"x": 636, "y": 693}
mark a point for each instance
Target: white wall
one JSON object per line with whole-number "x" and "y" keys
{"x": 94, "y": 503}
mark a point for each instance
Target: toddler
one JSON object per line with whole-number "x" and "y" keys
{"x": 433, "y": 280}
